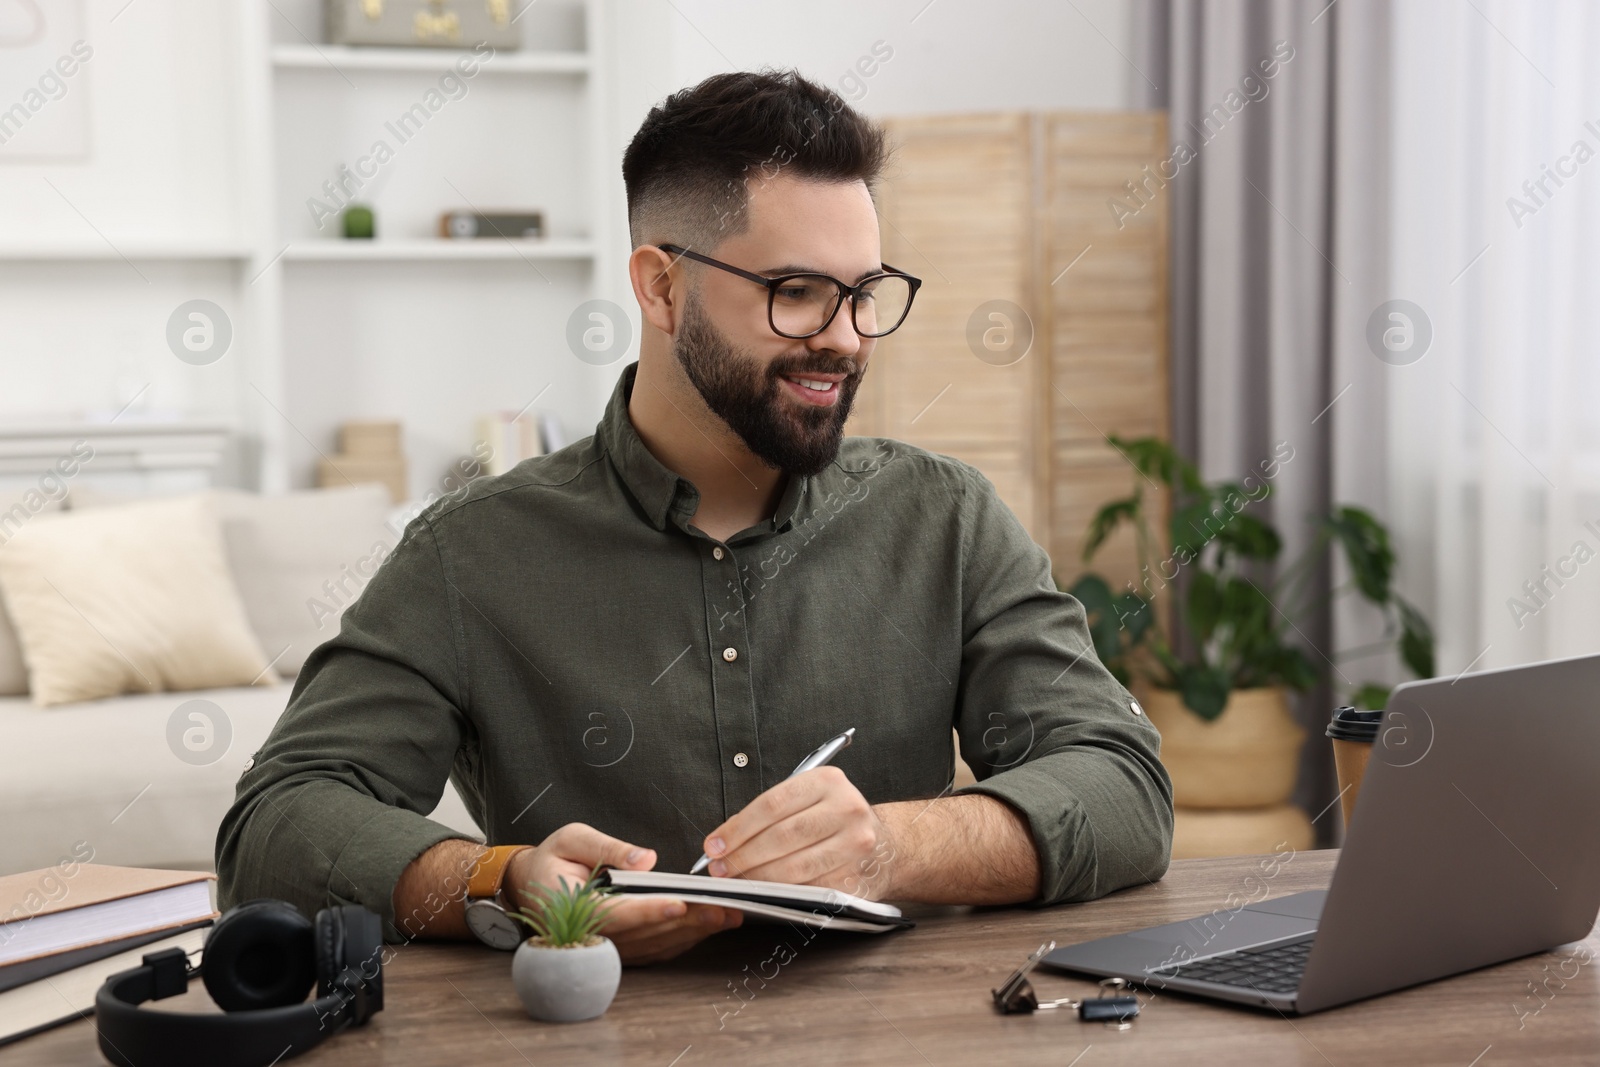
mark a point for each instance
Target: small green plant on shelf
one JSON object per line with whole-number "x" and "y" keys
{"x": 569, "y": 917}
{"x": 1241, "y": 621}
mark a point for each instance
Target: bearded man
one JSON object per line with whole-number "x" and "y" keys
{"x": 717, "y": 581}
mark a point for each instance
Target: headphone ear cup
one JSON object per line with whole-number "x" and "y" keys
{"x": 259, "y": 955}
{"x": 330, "y": 948}
{"x": 350, "y": 946}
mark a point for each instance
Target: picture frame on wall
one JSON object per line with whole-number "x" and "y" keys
{"x": 45, "y": 56}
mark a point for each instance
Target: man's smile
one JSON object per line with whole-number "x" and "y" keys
{"x": 819, "y": 389}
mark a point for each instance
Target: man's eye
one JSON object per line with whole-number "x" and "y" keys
{"x": 793, "y": 292}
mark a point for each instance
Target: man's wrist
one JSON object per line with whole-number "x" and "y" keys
{"x": 965, "y": 849}
{"x": 517, "y": 877}
{"x": 891, "y": 869}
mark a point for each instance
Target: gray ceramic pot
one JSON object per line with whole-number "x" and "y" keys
{"x": 565, "y": 985}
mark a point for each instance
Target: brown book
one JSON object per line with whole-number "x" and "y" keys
{"x": 62, "y": 909}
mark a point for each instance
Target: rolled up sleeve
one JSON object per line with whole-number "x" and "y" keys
{"x": 1042, "y": 723}
{"x": 334, "y": 807}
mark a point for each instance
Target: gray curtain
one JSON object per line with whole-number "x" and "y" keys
{"x": 1278, "y": 245}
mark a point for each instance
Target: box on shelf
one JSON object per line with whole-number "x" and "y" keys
{"x": 469, "y": 225}
{"x": 422, "y": 23}
{"x": 370, "y": 438}
{"x": 355, "y": 470}
{"x": 369, "y": 451}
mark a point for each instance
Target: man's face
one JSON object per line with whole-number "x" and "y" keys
{"x": 751, "y": 377}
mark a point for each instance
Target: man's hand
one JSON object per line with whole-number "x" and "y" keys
{"x": 813, "y": 829}
{"x": 645, "y": 929}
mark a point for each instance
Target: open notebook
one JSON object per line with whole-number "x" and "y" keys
{"x": 812, "y": 905}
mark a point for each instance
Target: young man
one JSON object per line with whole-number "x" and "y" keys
{"x": 620, "y": 651}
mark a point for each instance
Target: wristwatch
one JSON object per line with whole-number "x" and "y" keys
{"x": 486, "y": 912}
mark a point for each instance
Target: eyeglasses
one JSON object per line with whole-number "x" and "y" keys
{"x": 803, "y": 305}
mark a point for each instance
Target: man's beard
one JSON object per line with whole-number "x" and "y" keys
{"x": 785, "y": 434}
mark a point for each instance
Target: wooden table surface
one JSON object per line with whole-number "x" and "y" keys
{"x": 922, "y": 996}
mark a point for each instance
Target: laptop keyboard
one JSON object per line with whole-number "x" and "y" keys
{"x": 1276, "y": 969}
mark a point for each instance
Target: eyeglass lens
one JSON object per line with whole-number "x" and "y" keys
{"x": 803, "y": 304}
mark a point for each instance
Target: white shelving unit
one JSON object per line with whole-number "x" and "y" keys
{"x": 433, "y": 249}
{"x": 336, "y": 57}
{"x": 138, "y": 252}
{"x": 215, "y": 127}
{"x": 408, "y": 325}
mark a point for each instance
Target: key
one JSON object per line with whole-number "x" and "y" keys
{"x": 1108, "y": 1009}
{"x": 1116, "y": 1005}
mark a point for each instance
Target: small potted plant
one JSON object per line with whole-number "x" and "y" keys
{"x": 566, "y": 971}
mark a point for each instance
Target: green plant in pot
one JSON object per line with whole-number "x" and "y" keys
{"x": 566, "y": 971}
{"x": 1227, "y": 736}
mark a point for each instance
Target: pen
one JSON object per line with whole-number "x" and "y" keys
{"x": 818, "y": 758}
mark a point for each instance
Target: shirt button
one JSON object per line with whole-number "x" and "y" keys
{"x": 730, "y": 654}
{"x": 1134, "y": 707}
{"x": 740, "y": 759}
{"x": 716, "y": 553}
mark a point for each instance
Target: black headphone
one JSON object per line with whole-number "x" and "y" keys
{"x": 259, "y": 961}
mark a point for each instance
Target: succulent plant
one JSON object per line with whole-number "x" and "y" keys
{"x": 570, "y": 916}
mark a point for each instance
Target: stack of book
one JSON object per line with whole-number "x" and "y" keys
{"x": 66, "y": 929}
{"x": 515, "y": 436}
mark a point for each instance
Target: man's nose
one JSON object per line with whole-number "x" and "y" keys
{"x": 839, "y": 336}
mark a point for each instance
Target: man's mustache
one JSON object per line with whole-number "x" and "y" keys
{"x": 849, "y": 367}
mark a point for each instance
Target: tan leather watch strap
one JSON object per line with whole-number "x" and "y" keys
{"x": 490, "y": 871}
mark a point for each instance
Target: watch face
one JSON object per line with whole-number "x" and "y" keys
{"x": 490, "y": 923}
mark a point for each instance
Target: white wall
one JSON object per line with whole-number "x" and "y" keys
{"x": 161, "y": 168}
{"x": 947, "y": 56}
{"x": 161, "y": 165}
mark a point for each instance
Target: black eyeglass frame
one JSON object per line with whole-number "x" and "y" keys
{"x": 845, "y": 291}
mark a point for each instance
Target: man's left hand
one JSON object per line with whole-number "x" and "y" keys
{"x": 813, "y": 829}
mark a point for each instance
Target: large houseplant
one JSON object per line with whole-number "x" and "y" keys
{"x": 1240, "y": 610}
{"x": 1241, "y": 617}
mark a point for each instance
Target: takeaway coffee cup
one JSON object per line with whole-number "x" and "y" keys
{"x": 1353, "y": 733}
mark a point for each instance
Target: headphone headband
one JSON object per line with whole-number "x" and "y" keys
{"x": 350, "y": 942}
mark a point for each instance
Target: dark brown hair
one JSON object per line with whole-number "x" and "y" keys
{"x": 686, "y": 168}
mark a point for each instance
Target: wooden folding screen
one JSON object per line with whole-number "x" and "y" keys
{"x": 1018, "y": 208}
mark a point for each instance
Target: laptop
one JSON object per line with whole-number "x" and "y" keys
{"x": 1474, "y": 840}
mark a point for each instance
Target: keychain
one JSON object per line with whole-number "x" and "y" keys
{"x": 1115, "y": 1006}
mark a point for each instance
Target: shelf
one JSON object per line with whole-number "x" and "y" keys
{"x": 440, "y": 248}
{"x": 126, "y": 250}
{"x": 430, "y": 60}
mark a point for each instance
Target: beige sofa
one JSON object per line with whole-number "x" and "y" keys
{"x": 101, "y": 773}
{"x": 109, "y": 774}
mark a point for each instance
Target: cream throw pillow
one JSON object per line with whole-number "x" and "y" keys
{"x": 298, "y": 559}
{"x": 131, "y": 599}
{"x": 16, "y": 511}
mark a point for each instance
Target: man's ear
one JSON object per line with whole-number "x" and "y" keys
{"x": 649, "y": 271}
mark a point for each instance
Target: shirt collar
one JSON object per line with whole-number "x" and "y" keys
{"x": 661, "y": 493}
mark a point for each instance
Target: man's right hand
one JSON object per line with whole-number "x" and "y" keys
{"x": 645, "y": 929}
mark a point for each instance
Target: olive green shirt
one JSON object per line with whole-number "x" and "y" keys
{"x": 564, "y": 646}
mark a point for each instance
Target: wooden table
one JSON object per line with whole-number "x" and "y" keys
{"x": 923, "y": 997}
